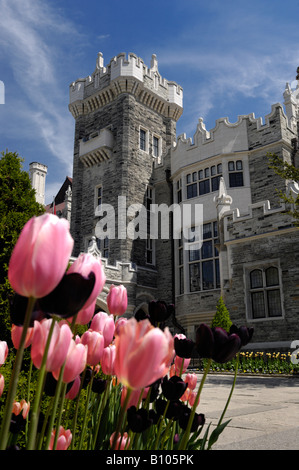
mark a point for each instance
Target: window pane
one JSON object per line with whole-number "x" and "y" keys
{"x": 215, "y": 183}
{"x": 219, "y": 168}
{"x": 217, "y": 273}
{"x": 207, "y": 249}
{"x": 179, "y": 196}
{"x": 156, "y": 146}
{"x": 188, "y": 178}
{"x": 194, "y": 277}
{"x": 207, "y": 275}
{"x": 181, "y": 280}
{"x": 207, "y": 172}
{"x": 215, "y": 227}
{"x": 213, "y": 170}
{"x": 194, "y": 254}
{"x": 235, "y": 179}
{"x": 274, "y": 304}
{"x": 258, "y": 304}
{"x": 231, "y": 166}
{"x": 204, "y": 187}
{"x": 181, "y": 256}
{"x": 192, "y": 190}
{"x": 256, "y": 279}
{"x": 194, "y": 176}
{"x": 207, "y": 231}
{"x": 272, "y": 276}
{"x": 239, "y": 165}
{"x": 142, "y": 139}
{"x": 200, "y": 175}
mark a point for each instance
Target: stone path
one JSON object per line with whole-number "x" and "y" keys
{"x": 264, "y": 411}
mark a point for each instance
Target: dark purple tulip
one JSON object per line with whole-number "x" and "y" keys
{"x": 198, "y": 420}
{"x": 216, "y": 343}
{"x": 99, "y": 385}
{"x": 18, "y": 306}
{"x": 184, "y": 347}
{"x": 204, "y": 341}
{"x": 173, "y": 388}
{"x": 51, "y": 383}
{"x": 69, "y": 296}
{"x": 159, "y": 311}
{"x": 243, "y": 332}
{"x": 138, "y": 420}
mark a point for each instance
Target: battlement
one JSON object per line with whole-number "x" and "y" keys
{"x": 123, "y": 74}
{"x": 247, "y": 133}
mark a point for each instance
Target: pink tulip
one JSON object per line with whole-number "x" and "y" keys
{"x": 191, "y": 380}
{"x": 3, "y": 352}
{"x": 74, "y": 390}
{"x": 122, "y": 442}
{"x": 186, "y": 395}
{"x": 181, "y": 364}
{"x": 192, "y": 397}
{"x": 95, "y": 344}
{"x": 19, "y": 407}
{"x": 16, "y": 333}
{"x": 117, "y": 300}
{"x": 84, "y": 315}
{"x": 63, "y": 441}
{"x": 143, "y": 353}
{"x": 74, "y": 364}
{"x": 2, "y": 383}
{"x": 59, "y": 344}
{"x": 104, "y": 323}
{"x": 107, "y": 360}
{"x": 84, "y": 265}
{"x": 118, "y": 324}
{"x": 40, "y": 256}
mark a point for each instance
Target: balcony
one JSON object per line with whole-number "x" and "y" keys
{"x": 96, "y": 149}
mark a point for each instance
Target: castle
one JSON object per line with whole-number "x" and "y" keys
{"x": 127, "y": 155}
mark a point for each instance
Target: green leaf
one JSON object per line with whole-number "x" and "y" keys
{"x": 216, "y": 433}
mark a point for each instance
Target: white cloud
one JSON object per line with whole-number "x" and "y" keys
{"x": 30, "y": 34}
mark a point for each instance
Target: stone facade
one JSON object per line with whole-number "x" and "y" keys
{"x": 125, "y": 124}
{"x": 126, "y": 145}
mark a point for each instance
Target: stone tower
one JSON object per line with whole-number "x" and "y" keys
{"x": 37, "y": 175}
{"x": 125, "y": 125}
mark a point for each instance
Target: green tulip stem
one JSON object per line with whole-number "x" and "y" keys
{"x": 186, "y": 435}
{"x": 121, "y": 418}
{"x": 160, "y": 425}
{"x": 102, "y": 406}
{"x": 83, "y": 430}
{"x": 14, "y": 377}
{"x": 231, "y": 391}
{"x": 34, "y": 415}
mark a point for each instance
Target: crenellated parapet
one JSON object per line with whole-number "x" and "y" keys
{"x": 126, "y": 74}
{"x": 226, "y": 138}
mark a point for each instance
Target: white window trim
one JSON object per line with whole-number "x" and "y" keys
{"x": 262, "y": 265}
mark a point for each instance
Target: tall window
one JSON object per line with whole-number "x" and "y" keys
{"x": 265, "y": 292}
{"x": 98, "y": 198}
{"x": 204, "y": 261}
{"x": 156, "y": 146}
{"x": 149, "y": 240}
{"x": 179, "y": 191}
{"x": 143, "y": 140}
{"x": 235, "y": 172}
{"x": 181, "y": 265}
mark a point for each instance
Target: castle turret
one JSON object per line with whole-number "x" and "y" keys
{"x": 37, "y": 175}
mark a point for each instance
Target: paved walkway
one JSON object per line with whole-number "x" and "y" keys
{"x": 264, "y": 411}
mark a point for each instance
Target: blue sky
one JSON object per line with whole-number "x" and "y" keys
{"x": 231, "y": 58}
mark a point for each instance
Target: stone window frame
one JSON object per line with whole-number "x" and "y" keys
{"x": 157, "y": 155}
{"x": 146, "y": 139}
{"x": 264, "y": 289}
{"x": 97, "y": 198}
{"x": 150, "y": 248}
